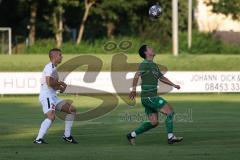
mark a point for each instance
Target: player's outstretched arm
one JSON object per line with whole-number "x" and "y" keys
{"x": 167, "y": 81}
{"x": 133, "y": 93}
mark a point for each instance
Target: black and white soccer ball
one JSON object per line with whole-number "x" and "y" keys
{"x": 155, "y": 11}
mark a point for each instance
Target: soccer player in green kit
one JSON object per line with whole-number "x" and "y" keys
{"x": 153, "y": 104}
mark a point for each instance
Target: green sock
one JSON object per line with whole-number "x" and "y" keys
{"x": 169, "y": 122}
{"x": 145, "y": 126}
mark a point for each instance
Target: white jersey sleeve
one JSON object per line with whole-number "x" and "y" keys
{"x": 48, "y": 70}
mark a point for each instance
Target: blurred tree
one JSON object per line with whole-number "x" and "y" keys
{"x": 227, "y": 7}
{"x": 29, "y": 6}
{"x": 116, "y": 15}
{"x": 161, "y": 29}
{"x": 32, "y": 21}
{"x": 128, "y": 17}
{"x": 88, "y": 4}
{"x": 108, "y": 18}
{"x": 14, "y": 14}
{"x": 57, "y": 17}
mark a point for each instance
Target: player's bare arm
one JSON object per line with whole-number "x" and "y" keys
{"x": 167, "y": 81}
{"x": 133, "y": 93}
{"x": 57, "y": 85}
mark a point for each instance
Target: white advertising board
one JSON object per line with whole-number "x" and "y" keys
{"x": 190, "y": 82}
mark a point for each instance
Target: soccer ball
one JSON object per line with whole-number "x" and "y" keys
{"x": 155, "y": 11}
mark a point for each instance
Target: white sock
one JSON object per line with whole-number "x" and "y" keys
{"x": 44, "y": 127}
{"x": 68, "y": 124}
{"x": 133, "y": 134}
{"x": 170, "y": 135}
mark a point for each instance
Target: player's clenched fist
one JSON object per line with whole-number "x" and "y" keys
{"x": 62, "y": 86}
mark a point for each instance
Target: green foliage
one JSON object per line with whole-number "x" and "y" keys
{"x": 205, "y": 43}
{"x": 131, "y": 18}
{"x": 227, "y": 7}
{"x": 114, "y": 20}
{"x": 97, "y": 46}
{"x": 57, "y": 9}
{"x": 108, "y": 18}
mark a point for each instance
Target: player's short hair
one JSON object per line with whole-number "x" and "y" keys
{"x": 142, "y": 51}
{"x": 53, "y": 50}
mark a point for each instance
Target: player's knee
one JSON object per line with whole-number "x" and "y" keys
{"x": 170, "y": 114}
{"x": 51, "y": 116}
{"x": 73, "y": 109}
{"x": 170, "y": 111}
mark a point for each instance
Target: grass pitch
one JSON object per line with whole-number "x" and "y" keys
{"x": 184, "y": 62}
{"x": 208, "y": 122}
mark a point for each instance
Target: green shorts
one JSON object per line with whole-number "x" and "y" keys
{"x": 153, "y": 104}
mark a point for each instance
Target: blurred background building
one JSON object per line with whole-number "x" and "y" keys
{"x": 208, "y": 21}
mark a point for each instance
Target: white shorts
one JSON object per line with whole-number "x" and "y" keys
{"x": 51, "y": 103}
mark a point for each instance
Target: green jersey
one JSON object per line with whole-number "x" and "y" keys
{"x": 150, "y": 73}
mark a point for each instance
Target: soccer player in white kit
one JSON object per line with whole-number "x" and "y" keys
{"x": 50, "y": 102}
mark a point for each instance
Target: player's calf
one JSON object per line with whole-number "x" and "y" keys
{"x": 145, "y": 126}
{"x": 69, "y": 119}
{"x": 168, "y": 111}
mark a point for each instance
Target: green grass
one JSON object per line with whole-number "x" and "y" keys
{"x": 203, "y": 43}
{"x": 213, "y": 134}
{"x": 184, "y": 62}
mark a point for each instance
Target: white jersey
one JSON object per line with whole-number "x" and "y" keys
{"x": 45, "y": 90}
